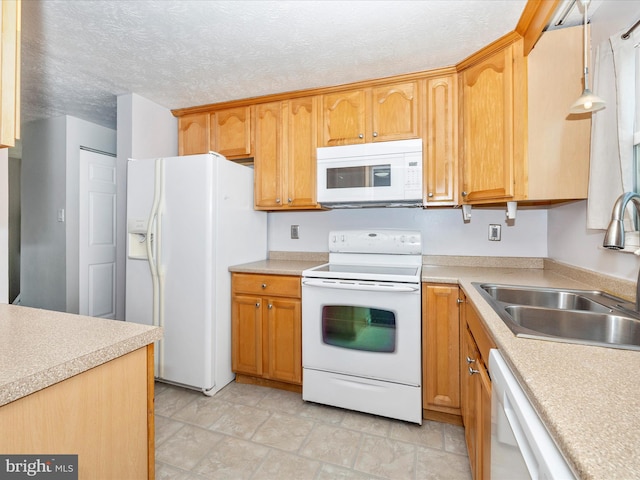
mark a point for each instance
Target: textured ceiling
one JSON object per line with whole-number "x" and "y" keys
{"x": 78, "y": 55}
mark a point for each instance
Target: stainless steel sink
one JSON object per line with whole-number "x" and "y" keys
{"x": 573, "y": 316}
{"x": 544, "y": 297}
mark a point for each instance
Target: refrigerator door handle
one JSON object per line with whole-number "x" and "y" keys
{"x": 153, "y": 253}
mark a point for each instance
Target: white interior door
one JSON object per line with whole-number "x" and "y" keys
{"x": 97, "y": 251}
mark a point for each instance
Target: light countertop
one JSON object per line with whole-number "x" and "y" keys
{"x": 276, "y": 267}
{"x": 587, "y": 396}
{"x": 39, "y": 348}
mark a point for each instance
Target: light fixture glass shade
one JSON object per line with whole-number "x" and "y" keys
{"x": 588, "y": 102}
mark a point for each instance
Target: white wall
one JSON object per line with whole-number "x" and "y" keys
{"x": 50, "y": 180}
{"x": 443, "y": 230}
{"x": 571, "y": 242}
{"x": 145, "y": 130}
{"x": 43, "y": 252}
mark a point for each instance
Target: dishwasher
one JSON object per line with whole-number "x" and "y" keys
{"x": 521, "y": 446}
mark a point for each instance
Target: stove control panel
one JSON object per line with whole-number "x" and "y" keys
{"x": 399, "y": 242}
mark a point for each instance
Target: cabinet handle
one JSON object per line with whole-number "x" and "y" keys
{"x": 290, "y": 200}
{"x": 473, "y": 371}
{"x": 464, "y": 194}
{"x": 257, "y": 304}
{"x": 470, "y": 360}
{"x": 361, "y": 136}
{"x": 277, "y": 200}
{"x": 459, "y": 301}
{"x": 264, "y": 285}
{"x": 430, "y": 195}
{"x": 375, "y": 134}
{"x": 270, "y": 306}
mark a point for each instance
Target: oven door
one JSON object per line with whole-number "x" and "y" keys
{"x": 360, "y": 328}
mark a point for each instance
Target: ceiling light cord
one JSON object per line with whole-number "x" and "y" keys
{"x": 588, "y": 102}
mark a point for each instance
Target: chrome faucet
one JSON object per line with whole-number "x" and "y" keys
{"x": 614, "y": 237}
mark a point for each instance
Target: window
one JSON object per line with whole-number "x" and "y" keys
{"x": 359, "y": 328}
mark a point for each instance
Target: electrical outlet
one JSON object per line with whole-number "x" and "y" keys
{"x": 295, "y": 231}
{"x": 494, "y": 232}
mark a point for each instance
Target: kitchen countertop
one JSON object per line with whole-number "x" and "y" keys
{"x": 39, "y": 348}
{"x": 276, "y": 267}
{"x": 587, "y": 396}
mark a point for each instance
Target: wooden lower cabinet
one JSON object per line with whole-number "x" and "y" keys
{"x": 266, "y": 329}
{"x": 476, "y": 392}
{"x": 104, "y": 415}
{"x": 440, "y": 352}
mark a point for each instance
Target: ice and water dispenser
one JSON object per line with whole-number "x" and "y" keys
{"x": 137, "y": 238}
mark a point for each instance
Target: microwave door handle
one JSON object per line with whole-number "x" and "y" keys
{"x": 360, "y": 286}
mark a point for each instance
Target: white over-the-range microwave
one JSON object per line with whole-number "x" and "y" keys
{"x": 371, "y": 174}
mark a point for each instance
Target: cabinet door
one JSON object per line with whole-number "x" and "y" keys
{"x": 484, "y": 424}
{"x": 441, "y": 353}
{"x": 268, "y": 155}
{"x": 10, "y": 15}
{"x": 395, "y": 112}
{"x": 231, "y": 132}
{"x": 302, "y": 128}
{"x": 284, "y": 337}
{"x": 193, "y": 134}
{"x": 343, "y": 118}
{"x": 471, "y": 392}
{"x": 488, "y": 128}
{"x": 441, "y": 141}
{"x": 246, "y": 334}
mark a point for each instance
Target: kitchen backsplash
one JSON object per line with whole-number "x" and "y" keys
{"x": 443, "y": 230}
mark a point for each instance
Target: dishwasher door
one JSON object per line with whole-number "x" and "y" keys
{"x": 521, "y": 447}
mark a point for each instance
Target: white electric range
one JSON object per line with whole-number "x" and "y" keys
{"x": 361, "y": 324}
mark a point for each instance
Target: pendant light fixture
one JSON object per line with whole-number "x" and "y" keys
{"x": 588, "y": 102}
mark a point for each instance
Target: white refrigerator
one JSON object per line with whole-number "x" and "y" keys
{"x": 188, "y": 219}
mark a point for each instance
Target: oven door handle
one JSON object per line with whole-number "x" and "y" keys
{"x": 370, "y": 287}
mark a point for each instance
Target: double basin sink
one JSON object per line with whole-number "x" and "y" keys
{"x": 573, "y": 316}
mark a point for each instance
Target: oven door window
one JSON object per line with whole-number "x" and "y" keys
{"x": 359, "y": 328}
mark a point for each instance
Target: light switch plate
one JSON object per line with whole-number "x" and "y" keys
{"x": 494, "y": 232}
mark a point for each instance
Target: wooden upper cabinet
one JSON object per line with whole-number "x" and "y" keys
{"x": 10, "y": 13}
{"x": 285, "y": 154}
{"x": 193, "y": 133}
{"x": 441, "y": 141}
{"x": 231, "y": 132}
{"x": 269, "y": 155}
{"x": 558, "y": 146}
{"x": 343, "y": 118}
{"x": 381, "y": 113}
{"x": 301, "y": 140}
{"x": 395, "y": 112}
{"x": 519, "y": 141}
{"x": 488, "y": 127}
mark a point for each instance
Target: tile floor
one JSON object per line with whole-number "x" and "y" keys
{"x": 251, "y": 432}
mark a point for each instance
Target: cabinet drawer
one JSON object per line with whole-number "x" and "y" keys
{"x": 284, "y": 285}
{"x": 481, "y": 336}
